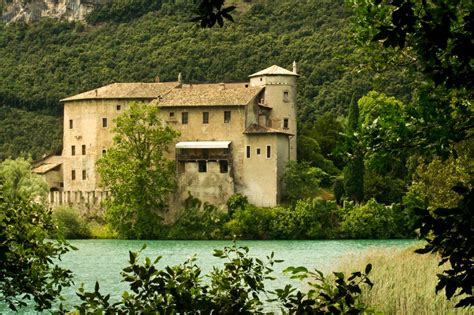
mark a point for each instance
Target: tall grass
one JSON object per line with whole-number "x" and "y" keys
{"x": 404, "y": 282}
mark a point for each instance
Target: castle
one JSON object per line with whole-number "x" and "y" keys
{"x": 235, "y": 137}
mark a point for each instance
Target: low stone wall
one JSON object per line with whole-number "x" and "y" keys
{"x": 89, "y": 199}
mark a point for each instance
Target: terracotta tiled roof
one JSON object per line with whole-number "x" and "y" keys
{"x": 273, "y": 70}
{"x": 125, "y": 91}
{"x": 258, "y": 129}
{"x": 228, "y": 94}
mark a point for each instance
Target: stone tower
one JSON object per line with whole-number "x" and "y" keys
{"x": 280, "y": 96}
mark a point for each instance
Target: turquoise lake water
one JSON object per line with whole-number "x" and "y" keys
{"x": 102, "y": 260}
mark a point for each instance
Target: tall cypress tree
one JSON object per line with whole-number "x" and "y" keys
{"x": 354, "y": 170}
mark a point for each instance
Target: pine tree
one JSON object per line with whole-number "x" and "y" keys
{"x": 354, "y": 170}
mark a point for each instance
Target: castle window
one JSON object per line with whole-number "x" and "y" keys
{"x": 285, "y": 123}
{"x": 84, "y": 175}
{"x": 171, "y": 114}
{"x": 73, "y": 175}
{"x": 205, "y": 117}
{"x": 104, "y": 122}
{"x": 73, "y": 150}
{"x": 71, "y": 123}
{"x": 119, "y": 107}
{"x": 202, "y": 166}
{"x": 224, "y": 166}
{"x": 104, "y": 151}
{"x": 83, "y": 149}
{"x": 258, "y": 151}
{"x": 227, "y": 116}
{"x": 285, "y": 96}
{"x": 248, "y": 152}
{"x": 269, "y": 151}
{"x": 184, "y": 118}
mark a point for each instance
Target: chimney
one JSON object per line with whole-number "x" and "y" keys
{"x": 96, "y": 92}
{"x": 221, "y": 86}
{"x": 180, "y": 78}
{"x": 157, "y": 79}
{"x": 295, "y": 69}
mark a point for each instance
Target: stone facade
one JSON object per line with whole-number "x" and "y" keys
{"x": 235, "y": 138}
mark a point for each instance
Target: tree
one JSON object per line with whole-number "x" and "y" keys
{"x": 19, "y": 180}
{"x": 27, "y": 267}
{"x": 137, "y": 173}
{"x": 354, "y": 170}
{"x": 301, "y": 180}
{"x": 450, "y": 233}
{"x": 436, "y": 36}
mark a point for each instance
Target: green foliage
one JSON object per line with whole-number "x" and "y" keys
{"x": 308, "y": 151}
{"x": 301, "y": 180}
{"x": 198, "y": 222}
{"x": 137, "y": 173}
{"x": 28, "y": 134}
{"x": 120, "y": 11}
{"x": 372, "y": 220}
{"x": 212, "y": 11}
{"x": 431, "y": 181}
{"x": 340, "y": 296}
{"x": 450, "y": 233}
{"x": 28, "y": 261}
{"x": 17, "y": 179}
{"x": 308, "y": 219}
{"x": 354, "y": 170}
{"x": 236, "y": 288}
{"x": 338, "y": 189}
{"x": 70, "y": 223}
{"x": 235, "y": 202}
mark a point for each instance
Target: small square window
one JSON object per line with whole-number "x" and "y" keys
{"x": 285, "y": 123}
{"x": 83, "y": 149}
{"x": 73, "y": 150}
{"x": 269, "y": 151}
{"x": 171, "y": 114}
{"x": 184, "y": 118}
{"x": 205, "y": 117}
{"x": 84, "y": 175}
{"x": 104, "y": 122}
{"x": 285, "y": 96}
{"x": 248, "y": 152}
{"x": 227, "y": 116}
{"x": 224, "y": 166}
{"x": 73, "y": 175}
{"x": 119, "y": 107}
{"x": 202, "y": 166}
{"x": 258, "y": 151}
{"x": 71, "y": 123}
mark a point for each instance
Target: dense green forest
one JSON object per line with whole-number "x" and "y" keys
{"x": 49, "y": 60}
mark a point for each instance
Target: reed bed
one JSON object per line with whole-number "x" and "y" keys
{"x": 404, "y": 282}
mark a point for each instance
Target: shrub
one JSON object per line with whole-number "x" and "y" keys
{"x": 251, "y": 223}
{"x": 309, "y": 219}
{"x": 198, "y": 221}
{"x": 301, "y": 180}
{"x": 372, "y": 220}
{"x": 71, "y": 224}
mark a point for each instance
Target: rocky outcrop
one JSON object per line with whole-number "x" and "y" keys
{"x": 33, "y": 10}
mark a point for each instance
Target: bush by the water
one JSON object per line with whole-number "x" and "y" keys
{"x": 71, "y": 224}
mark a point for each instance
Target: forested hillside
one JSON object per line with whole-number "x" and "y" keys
{"x": 44, "y": 62}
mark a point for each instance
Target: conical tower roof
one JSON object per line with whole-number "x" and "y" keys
{"x": 273, "y": 70}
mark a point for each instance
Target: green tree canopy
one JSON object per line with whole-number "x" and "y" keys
{"x": 137, "y": 172}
